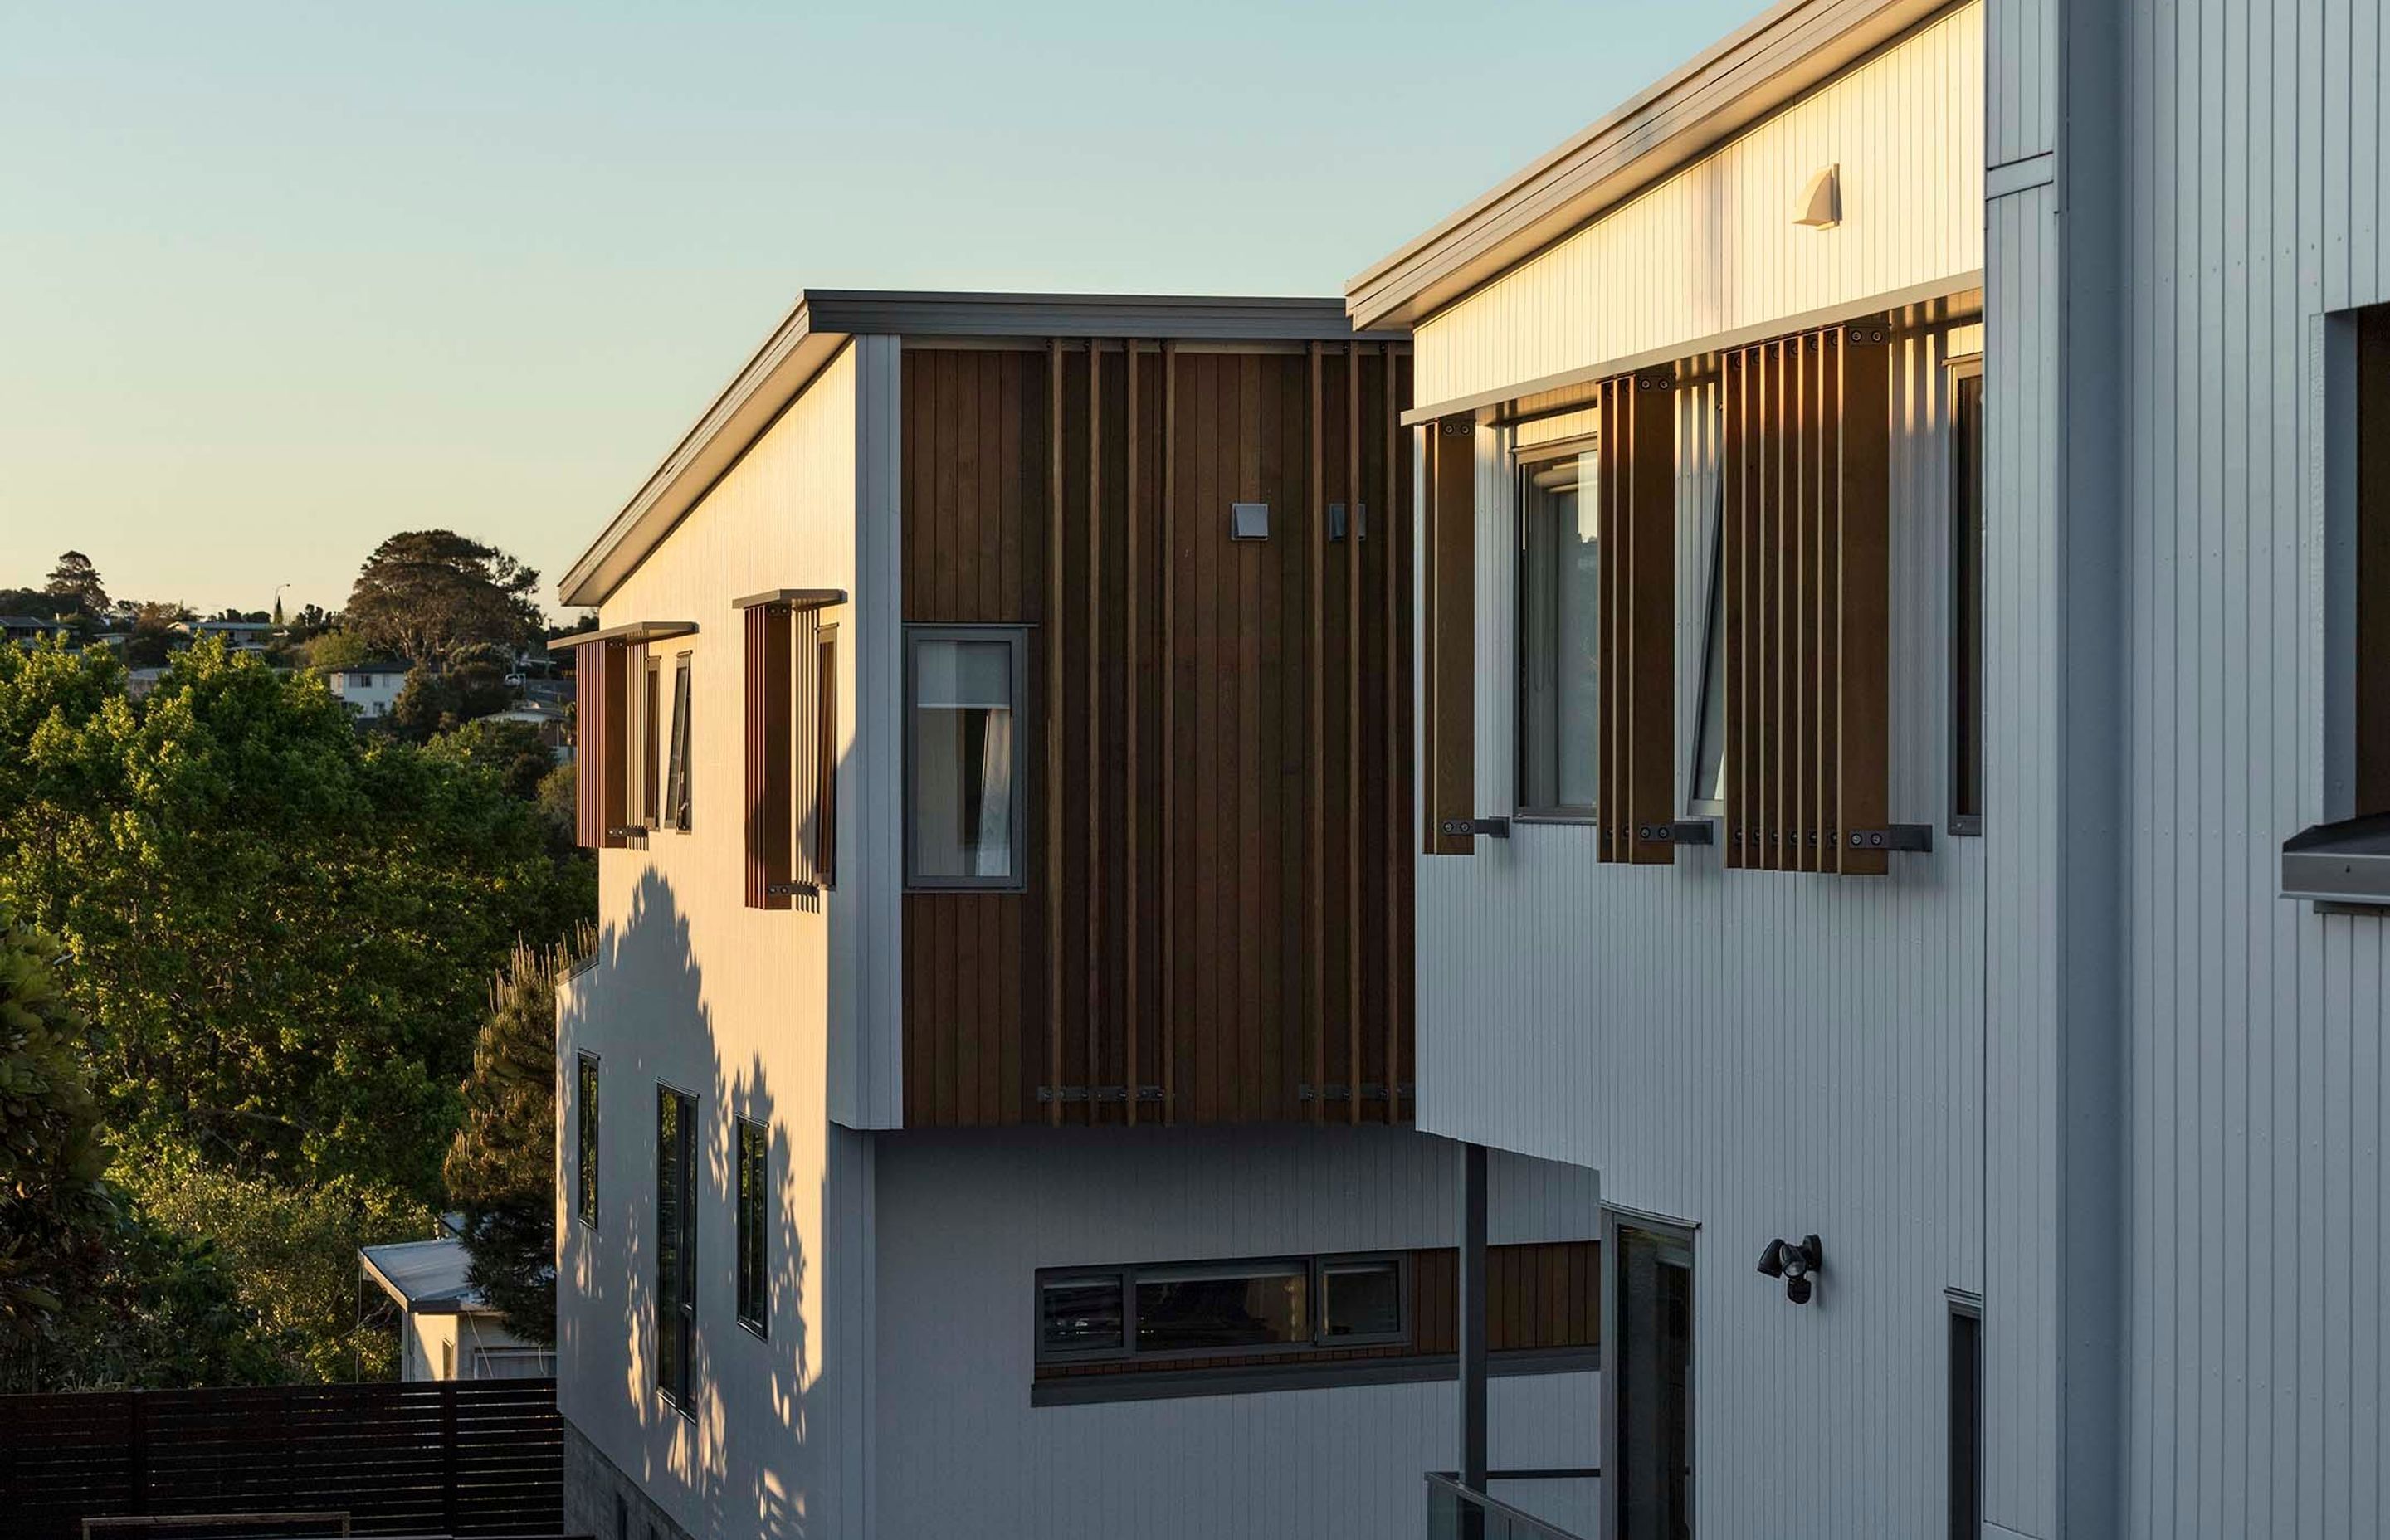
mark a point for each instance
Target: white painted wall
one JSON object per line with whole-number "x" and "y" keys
{"x": 1714, "y": 248}
{"x": 738, "y": 1006}
{"x": 2257, "y": 1364}
{"x": 965, "y": 1221}
{"x": 1761, "y": 1054}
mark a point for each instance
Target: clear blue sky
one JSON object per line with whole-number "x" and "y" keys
{"x": 278, "y": 279}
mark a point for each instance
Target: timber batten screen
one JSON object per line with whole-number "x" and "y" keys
{"x": 1183, "y": 721}
{"x": 1636, "y": 509}
{"x": 600, "y": 676}
{"x": 1806, "y": 471}
{"x": 1449, "y": 719}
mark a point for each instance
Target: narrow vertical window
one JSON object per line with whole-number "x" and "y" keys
{"x": 754, "y": 1187}
{"x": 586, "y": 1156}
{"x": 676, "y": 791}
{"x": 1707, "y": 796}
{"x": 822, "y": 827}
{"x": 1967, "y": 605}
{"x": 676, "y": 1243}
{"x": 2370, "y": 677}
{"x": 963, "y": 791}
{"x": 1559, "y": 630}
{"x": 1966, "y": 1424}
{"x": 644, "y": 721}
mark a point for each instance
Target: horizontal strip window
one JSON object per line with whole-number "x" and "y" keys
{"x": 1279, "y": 1304}
{"x": 1256, "y": 1378}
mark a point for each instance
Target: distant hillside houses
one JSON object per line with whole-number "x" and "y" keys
{"x": 25, "y": 630}
{"x": 370, "y": 689}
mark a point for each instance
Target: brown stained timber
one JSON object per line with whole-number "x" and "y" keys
{"x": 1091, "y": 727}
{"x": 1168, "y": 933}
{"x": 1451, "y": 558}
{"x": 1391, "y": 512}
{"x": 1635, "y": 475}
{"x": 1212, "y": 941}
{"x": 1132, "y": 1002}
{"x": 1353, "y": 797}
{"x": 1805, "y": 465}
{"x": 1315, "y": 761}
{"x": 1052, "y": 875}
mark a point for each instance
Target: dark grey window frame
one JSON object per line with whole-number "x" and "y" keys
{"x": 1713, "y": 666}
{"x": 1684, "y": 1234}
{"x": 680, "y": 730}
{"x": 1522, "y": 458}
{"x": 1965, "y": 1507}
{"x": 1130, "y": 1274}
{"x": 753, "y": 1209}
{"x": 585, "y": 1111}
{"x": 1966, "y": 741}
{"x": 682, "y": 1289}
{"x": 1017, "y": 636}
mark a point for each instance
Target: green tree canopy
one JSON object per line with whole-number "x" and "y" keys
{"x": 76, "y": 579}
{"x": 55, "y": 1214}
{"x": 426, "y": 593}
{"x": 510, "y": 751}
{"x": 280, "y": 932}
{"x": 501, "y": 1166}
{"x": 337, "y": 650}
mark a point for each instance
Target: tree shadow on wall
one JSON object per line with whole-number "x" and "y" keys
{"x": 741, "y": 1449}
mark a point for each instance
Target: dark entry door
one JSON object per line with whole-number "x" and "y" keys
{"x": 1649, "y": 1466}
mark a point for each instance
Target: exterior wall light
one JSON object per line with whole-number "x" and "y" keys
{"x": 1796, "y": 1264}
{"x": 1822, "y": 201}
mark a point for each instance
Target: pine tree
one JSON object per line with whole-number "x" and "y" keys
{"x": 501, "y": 1167}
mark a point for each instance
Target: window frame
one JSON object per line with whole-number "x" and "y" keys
{"x": 1130, "y": 1274}
{"x": 682, "y": 1397}
{"x": 679, "y": 799}
{"x": 1965, "y": 743}
{"x": 1522, "y": 459}
{"x": 752, "y": 1253}
{"x": 1713, "y": 667}
{"x": 1016, "y": 638}
{"x": 1965, "y": 1518}
{"x": 586, "y": 1111}
{"x": 645, "y": 780}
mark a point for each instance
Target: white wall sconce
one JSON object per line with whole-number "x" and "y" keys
{"x": 1822, "y": 201}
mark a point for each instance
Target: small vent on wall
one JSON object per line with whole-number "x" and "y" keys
{"x": 1822, "y": 201}
{"x": 1248, "y": 520}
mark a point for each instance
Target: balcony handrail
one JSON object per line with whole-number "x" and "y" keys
{"x": 1527, "y": 1522}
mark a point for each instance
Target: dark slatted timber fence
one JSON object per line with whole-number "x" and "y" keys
{"x": 457, "y": 1458}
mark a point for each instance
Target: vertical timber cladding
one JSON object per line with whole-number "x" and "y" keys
{"x": 1200, "y": 711}
{"x": 1806, "y": 463}
{"x": 1636, "y": 503}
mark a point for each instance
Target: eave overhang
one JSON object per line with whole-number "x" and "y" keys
{"x": 1752, "y": 74}
{"x": 821, "y": 322}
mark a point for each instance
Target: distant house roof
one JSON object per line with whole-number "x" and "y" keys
{"x": 426, "y": 1277}
{"x": 385, "y": 665}
{"x": 31, "y": 623}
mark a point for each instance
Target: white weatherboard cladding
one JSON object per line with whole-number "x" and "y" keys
{"x": 1714, "y": 248}
{"x": 2258, "y": 1339}
{"x": 1764, "y": 1054}
{"x": 735, "y": 1006}
{"x": 966, "y": 1219}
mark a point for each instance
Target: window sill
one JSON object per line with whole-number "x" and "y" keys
{"x": 2346, "y": 865}
{"x": 1558, "y": 818}
{"x": 1252, "y": 1379}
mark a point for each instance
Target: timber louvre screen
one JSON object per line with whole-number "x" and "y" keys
{"x": 1448, "y": 689}
{"x": 600, "y": 783}
{"x": 1806, "y": 468}
{"x": 1636, "y": 503}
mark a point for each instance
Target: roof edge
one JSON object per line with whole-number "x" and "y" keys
{"x": 1752, "y": 73}
{"x": 817, "y": 327}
